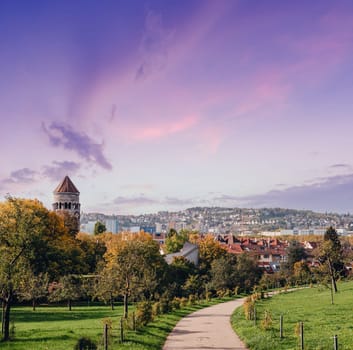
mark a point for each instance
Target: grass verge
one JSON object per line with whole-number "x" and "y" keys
{"x": 56, "y": 328}
{"x": 311, "y": 306}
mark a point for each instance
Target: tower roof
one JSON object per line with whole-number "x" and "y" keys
{"x": 66, "y": 186}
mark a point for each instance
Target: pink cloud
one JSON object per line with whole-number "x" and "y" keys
{"x": 162, "y": 129}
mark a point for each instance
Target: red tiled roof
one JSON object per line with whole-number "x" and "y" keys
{"x": 66, "y": 186}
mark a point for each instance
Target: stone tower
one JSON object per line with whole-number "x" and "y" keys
{"x": 67, "y": 199}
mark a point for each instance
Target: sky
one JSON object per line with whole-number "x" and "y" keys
{"x": 165, "y": 105}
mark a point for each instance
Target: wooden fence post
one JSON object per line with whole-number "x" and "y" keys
{"x": 122, "y": 330}
{"x": 335, "y": 342}
{"x": 301, "y": 335}
{"x": 281, "y": 326}
{"x": 105, "y": 337}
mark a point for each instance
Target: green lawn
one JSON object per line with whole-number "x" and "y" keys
{"x": 311, "y": 306}
{"x": 56, "y": 328}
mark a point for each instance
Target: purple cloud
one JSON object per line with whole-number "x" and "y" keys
{"x": 59, "y": 169}
{"x": 24, "y": 175}
{"x": 340, "y": 166}
{"x": 65, "y": 136}
{"x": 330, "y": 194}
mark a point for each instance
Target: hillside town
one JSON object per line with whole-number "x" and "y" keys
{"x": 217, "y": 220}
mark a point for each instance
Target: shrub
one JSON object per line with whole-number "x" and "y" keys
{"x": 165, "y": 306}
{"x": 176, "y": 303}
{"x": 266, "y": 322}
{"x": 85, "y": 344}
{"x": 156, "y": 309}
{"x": 249, "y": 308}
{"x": 220, "y": 293}
{"x": 143, "y": 313}
{"x": 192, "y": 299}
{"x": 183, "y": 302}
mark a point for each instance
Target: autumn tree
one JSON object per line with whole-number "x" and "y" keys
{"x": 209, "y": 250}
{"x": 330, "y": 256}
{"x": 31, "y": 239}
{"x": 33, "y": 287}
{"x": 136, "y": 264}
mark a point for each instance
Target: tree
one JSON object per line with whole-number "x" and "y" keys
{"x": 330, "y": 254}
{"x": 209, "y": 250}
{"x": 223, "y": 272}
{"x": 68, "y": 288}
{"x": 136, "y": 264}
{"x": 99, "y": 228}
{"x": 295, "y": 253}
{"x": 31, "y": 239}
{"x": 93, "y": 249}
{"x": 33, "y": 287}
{"x": 247, "y": 273}
{"x": 175, "y": 241}
{"x": 178, "y": 272}
{"x": 301, "y": 272}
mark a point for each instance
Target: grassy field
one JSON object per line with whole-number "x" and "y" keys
{"x": 313, "y": 307}
{"x": 56, "y": 328}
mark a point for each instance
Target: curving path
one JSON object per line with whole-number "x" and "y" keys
{"x": 207, "y": 328}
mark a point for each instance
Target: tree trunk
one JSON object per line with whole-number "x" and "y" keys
{"x": 332, "y": 275}
{"x": 126, "y": 310}
{"x": 6, "y": 325}
{"x": 2, "y": 317}
{"x": 111, "y": 301}
{"x": 34, "y": 304}
{"x": 69, "y": 304}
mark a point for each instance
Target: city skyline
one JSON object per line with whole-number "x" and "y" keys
{"x": 159, "y": 105}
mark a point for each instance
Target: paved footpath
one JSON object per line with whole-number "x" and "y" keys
{"x": 207, "y": 328}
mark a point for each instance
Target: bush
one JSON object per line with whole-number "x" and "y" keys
{"x": 266, "y": 322}
{"x": 156, "y": 309}
{"x": 192, "y": 300}
{"x": 220, "y": 293}
{"x": 249, "y": 308}
{"x": 165, "y": 306}
{"x": 143, "y": 313}
{"x": 176, "y": 303}
{"x": 85, "y": 344}
{"x": 183, "y": 302}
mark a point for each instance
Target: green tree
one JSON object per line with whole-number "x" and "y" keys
{"x": 178, "y": 272}
{"x": 99, "y": 228}
{"x": 175, "y": 241}
{"x": 295, "y": 253}
{"x": 247, "y": 273}
{"x": 68, "y": 288}
{"x": 223, "y": 272}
